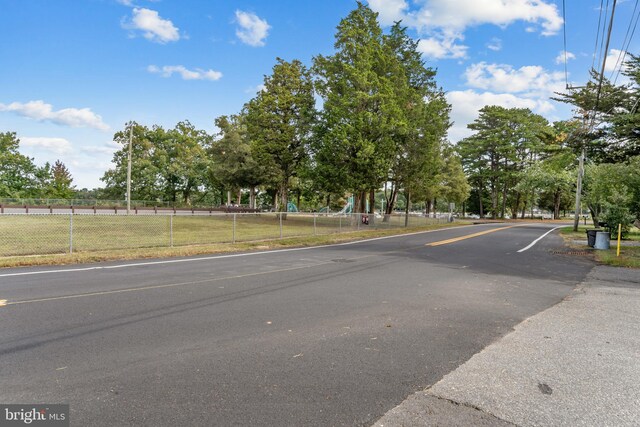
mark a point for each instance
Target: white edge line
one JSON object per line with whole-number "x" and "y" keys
{"x": 172, "y": 261}
{"x": 539, "y": 238}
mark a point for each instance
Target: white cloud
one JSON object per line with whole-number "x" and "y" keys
{"x": 504, "y": 85}
{"x": 495, "y": 44}
{"x": 153, "y": 27}
{"x": 389, "y": 11}
{"x": 445, "y": 21}
{"x": 40, "y": 111}
{"x": 561, "y": 56}
{"x": 439, "y": 48}
{"x": 125, "y": 2}
{"x": 466, "y": 104}
{"x": 186, "y": 74}
{"x": 108, "y": 148}
{"x": 252, "y": 30}
{"x": 531, "y": 79}
{"x": 615, "y": 59}
{"x": 255, "y": 89}
{"x": 54, "y": 145}
{"x": 460, "y": 14}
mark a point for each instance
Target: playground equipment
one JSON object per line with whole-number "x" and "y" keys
{"x": 348, "y": 208}
{"x": 291, "y": 207}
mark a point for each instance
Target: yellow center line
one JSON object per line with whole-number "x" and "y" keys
{"x": 468, "y": 236}
{"x": 3, "y": 302}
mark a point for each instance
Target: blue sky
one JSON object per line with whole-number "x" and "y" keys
{"x": 75, "y": 71}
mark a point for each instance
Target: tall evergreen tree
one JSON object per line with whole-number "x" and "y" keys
{"x": 279, "y": 122}
{"x": 354, "y": 146}
{"x": 505, "y": 142}
{"x": 422, "y": 129}
{"x": 61, "y": 182}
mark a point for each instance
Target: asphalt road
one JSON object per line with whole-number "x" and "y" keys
{"x": 334, "y": 335}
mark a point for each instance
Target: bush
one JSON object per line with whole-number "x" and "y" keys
{"x": 615, "y": 215}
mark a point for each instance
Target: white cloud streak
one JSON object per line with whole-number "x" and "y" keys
{"x": 561, "y": 55}
{"x": 389, "y": 11}
{"x": 495, "y": 44}
{"x": 186, "y": 74}
{"x": 503, "y": 85}
{"x": 531, "y": 79}
{"x": 252, "y": 30}
{"x": 152, "y": 26}
{"x": 444, "y": 22}
{"x": 612, "y": 59}
{"x": 467, "y": 103}
{"x": 55, "y": 145}
{"x": 41, "y": 111}
{"x": 441, "y": 48}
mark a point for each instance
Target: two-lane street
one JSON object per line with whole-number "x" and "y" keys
{"x": 332, "y": 335}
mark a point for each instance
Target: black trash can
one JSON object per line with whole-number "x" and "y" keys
{"x": 591, "y": 237}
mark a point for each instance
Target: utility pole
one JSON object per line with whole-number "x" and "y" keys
{"x": 576, "y": 218}
{"x": 129, "y": 169}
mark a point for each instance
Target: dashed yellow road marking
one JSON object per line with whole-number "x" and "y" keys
{"x": 468, "y": 236}
{"x": 217, "y": 279}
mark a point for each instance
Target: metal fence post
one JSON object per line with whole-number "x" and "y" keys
{"x": 170, "y": 230}
{"x": 280, "y": 225}
{"x": 70, "y": 233}
{"x": 314, "y": 224}
{"x": 340, "y": 224}
{"x": 233, "y": 236}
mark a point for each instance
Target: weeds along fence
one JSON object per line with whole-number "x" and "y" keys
{"x": 41, "y": 234}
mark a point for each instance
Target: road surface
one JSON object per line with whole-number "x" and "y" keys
{"x": 334, "y": 335}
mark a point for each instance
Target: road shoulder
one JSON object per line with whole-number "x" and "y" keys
{"x": 572, "y": 364}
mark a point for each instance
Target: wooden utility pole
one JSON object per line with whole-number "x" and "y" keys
{"x": 576, "y": 218}
{"x": 129, "y": 169}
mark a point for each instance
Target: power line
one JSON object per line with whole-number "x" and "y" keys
{"x": 595, "y": 48}
{"x": 604, "y": 61}
{"x": 603, "y": 54}
{"x": 564, "y": 29}
{"x": 625, "y": 44}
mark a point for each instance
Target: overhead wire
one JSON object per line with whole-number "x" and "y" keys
{"x": 626, "y": 43}
{"x": 604, "y": 62}
{"x": 595, "y": 48}
{"x": 564, "y": 30}
{"x": 603, "y": 53}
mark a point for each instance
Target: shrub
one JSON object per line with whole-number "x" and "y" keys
{"x": 614, "y": 215}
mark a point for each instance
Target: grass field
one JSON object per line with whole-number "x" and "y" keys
{"x": 55, "y": 234}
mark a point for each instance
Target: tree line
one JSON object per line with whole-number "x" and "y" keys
{"x": 371, "y": 121}
{"x": 516, "y": 159}
{"x": 21, "y": 178}
{"x": 383, "y": 123}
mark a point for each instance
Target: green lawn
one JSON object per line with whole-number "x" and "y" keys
{"x": 629, "y": 252}
{"x": 54, "y": 234}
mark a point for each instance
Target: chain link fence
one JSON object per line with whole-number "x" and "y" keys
{"x": 40, "y": 234}
{"x": 80, "y": 202}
